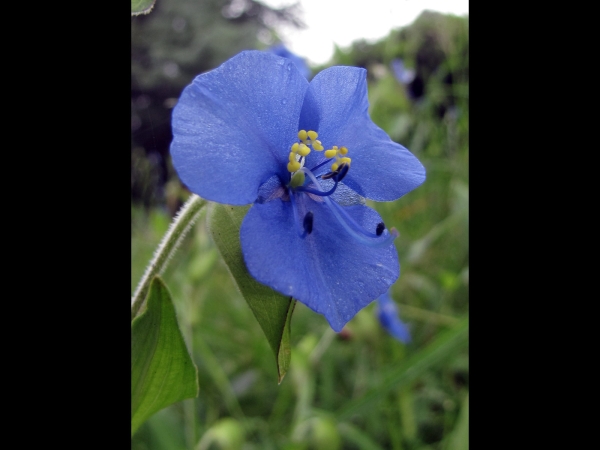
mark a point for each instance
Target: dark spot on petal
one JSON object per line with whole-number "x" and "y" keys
{"x": 380, "y": 228}
{"x": 308, "y": 222}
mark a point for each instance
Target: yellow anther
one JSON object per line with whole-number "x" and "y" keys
{"x": 303, "y": 150}
{"x": 293, "y": 166}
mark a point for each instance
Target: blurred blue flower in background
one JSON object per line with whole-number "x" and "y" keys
{"x": 282, "y": 50}
{"x": 387, "y": 312}
{"x": 402, "y": 74}
{"x": 255, "y": 131}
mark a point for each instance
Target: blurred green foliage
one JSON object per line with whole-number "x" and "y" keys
{"x": 240, "y": 405}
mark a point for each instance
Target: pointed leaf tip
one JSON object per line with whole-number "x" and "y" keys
{"x": 284, "y": 354}
{"x": 272, "y": 310}
{"x": 162, "y": 371}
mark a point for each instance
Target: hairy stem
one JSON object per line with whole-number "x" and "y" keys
{"x": 182, "y": 223}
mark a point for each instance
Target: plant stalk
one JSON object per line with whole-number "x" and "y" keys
{"x": 182, "y": 223}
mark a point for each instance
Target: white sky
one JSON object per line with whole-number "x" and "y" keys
{"x": 344, "y": 21}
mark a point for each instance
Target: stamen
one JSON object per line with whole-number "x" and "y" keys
{"x": 293, "y": 166}
{"x": 330, "y": 153}
{"x": 339, "y": 174}
{"x": 302, "y": 149}
{"x": 354, "y": 229}
{"x": 320, "y": 165}
{"x": 321, "y": 193}
{"x": 358, "y": 232}
{"x": 339, "y": 169}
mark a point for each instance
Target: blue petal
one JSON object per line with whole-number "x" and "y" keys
{"x": 282, "y": 50}
{"x": 233, "y": 126}
{"x": 387, "y": 312}
{"x": 327, "y": 270}
{"x": 336, "y": 106}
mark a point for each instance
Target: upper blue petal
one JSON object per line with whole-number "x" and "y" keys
{"x": 336, "y": 106}
{"x": 282, "y": 50}
{"x": 327, "y": 270}
{"x": 387, "y": 312}
{"x": 233, "y": 126}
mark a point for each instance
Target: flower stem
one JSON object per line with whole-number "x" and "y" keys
{"x": 183, "y": 221}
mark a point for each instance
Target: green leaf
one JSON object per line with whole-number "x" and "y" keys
{"x": 162, "y": 371}
{"x": 443, "y": 346}
{"x": 141, "y": 6}
{"x": 272, "y": 310}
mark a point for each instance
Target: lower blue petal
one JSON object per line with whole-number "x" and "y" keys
{"x": 327, "y": 270}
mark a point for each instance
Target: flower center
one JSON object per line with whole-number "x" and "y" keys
{"x": 339, "y": 168}
{"x": 300, "y": 151}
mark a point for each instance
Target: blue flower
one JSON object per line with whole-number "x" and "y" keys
{"x": 387, "y": 312}
{"x": 403, "y": 75}
{"x": 282, "y": 50}
{"x": 255, "y": 131}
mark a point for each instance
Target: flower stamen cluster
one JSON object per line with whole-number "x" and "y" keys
{"x": 339, "y": 169}
{"x": 381, "y": 238}
{"x": 340, "y": 157}
{"x": 300, "y": 150}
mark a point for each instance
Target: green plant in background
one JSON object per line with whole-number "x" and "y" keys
{"x": 356, "y": 389}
